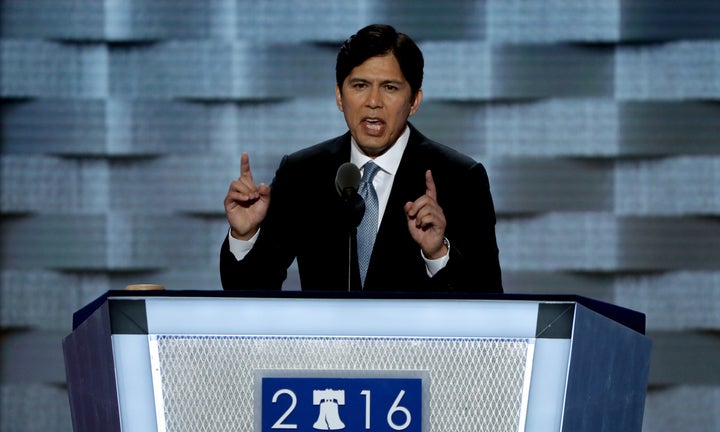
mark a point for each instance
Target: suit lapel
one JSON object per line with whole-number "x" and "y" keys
{"x": 409, "y": 183}
{"x": 393, "y": 237}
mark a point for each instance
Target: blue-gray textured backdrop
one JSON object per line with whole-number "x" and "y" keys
{"x": 122, "y": 122}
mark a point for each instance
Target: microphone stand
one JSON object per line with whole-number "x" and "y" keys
{"x": 351, "y": 233}
{"x": 355, "y": 208}
{"x": 347, "y": 181}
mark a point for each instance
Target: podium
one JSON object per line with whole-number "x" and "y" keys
{"x": 257, "y": 362}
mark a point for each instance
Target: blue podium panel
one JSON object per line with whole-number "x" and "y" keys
{"x": 241, "y": 362}
{"x": 383, "y": 403}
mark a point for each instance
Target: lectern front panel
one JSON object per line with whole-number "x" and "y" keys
{"x": 173, "y": 362}
{"x": 211, "y": 382}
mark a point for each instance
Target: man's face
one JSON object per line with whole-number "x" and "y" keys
{"x": 376, "y": 102}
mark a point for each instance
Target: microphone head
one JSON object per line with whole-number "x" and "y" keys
{"x": 347, "y": 180}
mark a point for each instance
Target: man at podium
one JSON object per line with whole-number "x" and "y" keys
{"x": 409, "y": 214}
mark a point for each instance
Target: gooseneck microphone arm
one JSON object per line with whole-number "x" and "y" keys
{"x": 349, "y": 257}
{"x": 347, "y": 182}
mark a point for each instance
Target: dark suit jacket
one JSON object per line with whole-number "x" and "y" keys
{"x": 305, "y": 220}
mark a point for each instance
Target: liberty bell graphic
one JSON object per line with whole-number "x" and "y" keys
{"x": 329, "y": 418}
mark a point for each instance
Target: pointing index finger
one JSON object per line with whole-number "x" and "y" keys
{"x": 245, "y": 166}
{"x": 430, "y": 189}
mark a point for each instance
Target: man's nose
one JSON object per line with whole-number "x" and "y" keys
{"x": 374, "y": 99}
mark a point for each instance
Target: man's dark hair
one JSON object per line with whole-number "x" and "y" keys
{"x": 376, "y": 40}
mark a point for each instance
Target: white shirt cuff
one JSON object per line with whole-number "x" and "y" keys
{"x": 435, "y": 265}
{"x": 240, "y": 248}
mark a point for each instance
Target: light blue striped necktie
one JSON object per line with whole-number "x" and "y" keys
{"x": 367, "y": 230}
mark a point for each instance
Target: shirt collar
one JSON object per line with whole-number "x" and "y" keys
{"x": 388, "y": 161}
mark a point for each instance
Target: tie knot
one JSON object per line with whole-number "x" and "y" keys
{"x": 369, "y": 172}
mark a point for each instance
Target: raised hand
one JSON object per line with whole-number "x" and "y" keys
{"x": 246, "y": 203}
{"x": 426, "y": 221}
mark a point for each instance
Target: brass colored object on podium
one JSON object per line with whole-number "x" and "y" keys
{"x": 144, "y": 287}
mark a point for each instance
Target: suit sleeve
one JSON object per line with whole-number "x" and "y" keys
{"x": 265, "y": 266}
{"x": 474, "y": 256}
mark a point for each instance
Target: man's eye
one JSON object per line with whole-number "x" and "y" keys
{"x": 391, "y": 88}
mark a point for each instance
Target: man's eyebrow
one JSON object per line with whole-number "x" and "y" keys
{"x": 384, "y": 82}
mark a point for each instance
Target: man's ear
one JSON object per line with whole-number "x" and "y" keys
{"x": 416, "y": 102}
{"x": 338, "y": 98}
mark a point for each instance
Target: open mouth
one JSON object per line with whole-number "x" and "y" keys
{"x": 373, "y": 126}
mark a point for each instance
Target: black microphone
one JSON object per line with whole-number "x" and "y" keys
{"x": 347, "y": 180}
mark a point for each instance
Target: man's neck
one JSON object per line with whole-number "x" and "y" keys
{"x": 389, "y": 160}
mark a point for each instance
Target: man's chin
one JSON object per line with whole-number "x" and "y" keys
{"x": 374, "y": 150}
